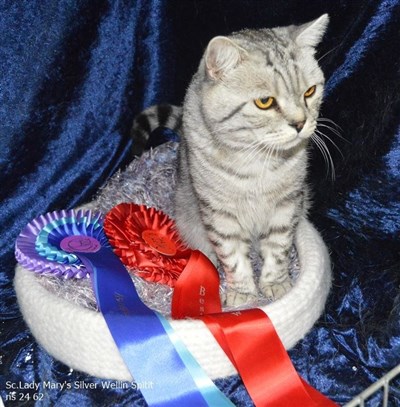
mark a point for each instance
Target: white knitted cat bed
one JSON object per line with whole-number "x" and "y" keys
{"x": 77, "y": 335}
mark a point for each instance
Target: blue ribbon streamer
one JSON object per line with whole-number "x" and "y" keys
{"x": 152, "y": 351}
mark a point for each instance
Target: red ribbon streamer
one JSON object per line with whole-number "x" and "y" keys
{"x": 248, "y": 337}
{"x": 250, "y": 341}
{"x": 196, "y": 291}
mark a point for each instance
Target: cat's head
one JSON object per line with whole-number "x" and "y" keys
{"x": 265, "y": 84}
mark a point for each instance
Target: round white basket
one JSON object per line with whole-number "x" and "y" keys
{"x": 79, "y": 337}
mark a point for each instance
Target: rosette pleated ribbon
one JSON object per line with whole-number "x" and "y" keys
{"x": 146, "y": 240}
{"x": 72, "y": 244}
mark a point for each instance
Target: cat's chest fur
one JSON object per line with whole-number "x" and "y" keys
{"x": 251, "y": 187}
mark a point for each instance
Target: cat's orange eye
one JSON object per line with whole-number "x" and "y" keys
{"x": 310, "y": 91}
{"x": 265, "y": 103}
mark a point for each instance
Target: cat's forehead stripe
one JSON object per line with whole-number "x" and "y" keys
{"x": 297, "y": 73}
{"x": 279, "y": 56}
{"x": 282, "y": 78}
{"x": 275, "y": 38}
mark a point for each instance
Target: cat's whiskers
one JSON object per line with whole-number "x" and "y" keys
{"x": 250, "y": 152}
{"x": 328, "y": 52}
{"x": 270, "y": 150}
{"x": 325, "y": 119}
{"x": 265, "y": 148}
{"x": 323, "y": 148}
{"x": 281, "y": 139}
{"x": 318, "y": 137}
{"x": 335, "y": 128}
{"x": 328, "y": 138}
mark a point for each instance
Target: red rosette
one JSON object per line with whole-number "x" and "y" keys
{"x": 146, "y": 240}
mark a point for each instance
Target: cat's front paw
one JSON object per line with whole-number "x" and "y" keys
{"x": 275, "y": 291}
{"x": 235, "y": 298}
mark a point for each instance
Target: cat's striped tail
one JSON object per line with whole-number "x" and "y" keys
{"x": 145, "y": 125}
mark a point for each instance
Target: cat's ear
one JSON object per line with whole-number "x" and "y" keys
{"x": 310, "y": 34}
{"x": 222, "y": 55}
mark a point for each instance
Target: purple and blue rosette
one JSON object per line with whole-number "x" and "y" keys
{"x": 72, "y": 244}
{"x": 47, "y": 244}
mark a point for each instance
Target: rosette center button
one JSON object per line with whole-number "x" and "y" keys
{"x": 80, "y": 244}
{"x": 159, "y": 242}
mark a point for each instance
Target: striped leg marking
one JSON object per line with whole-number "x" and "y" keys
{"x": 233, "y": 253}
{"x": 275, "y": 246}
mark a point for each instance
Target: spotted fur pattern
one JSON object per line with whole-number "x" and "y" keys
{"x": 242, "y": 170}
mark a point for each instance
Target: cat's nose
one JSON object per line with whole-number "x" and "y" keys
{"x": 298, "y": 125}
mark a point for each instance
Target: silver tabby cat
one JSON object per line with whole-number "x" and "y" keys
{"x": 248, "y": 116}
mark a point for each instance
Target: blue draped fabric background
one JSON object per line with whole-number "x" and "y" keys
{"x": 74, "y": 73}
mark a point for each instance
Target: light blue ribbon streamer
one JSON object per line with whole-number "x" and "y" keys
{"x": 208, "y": 389}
